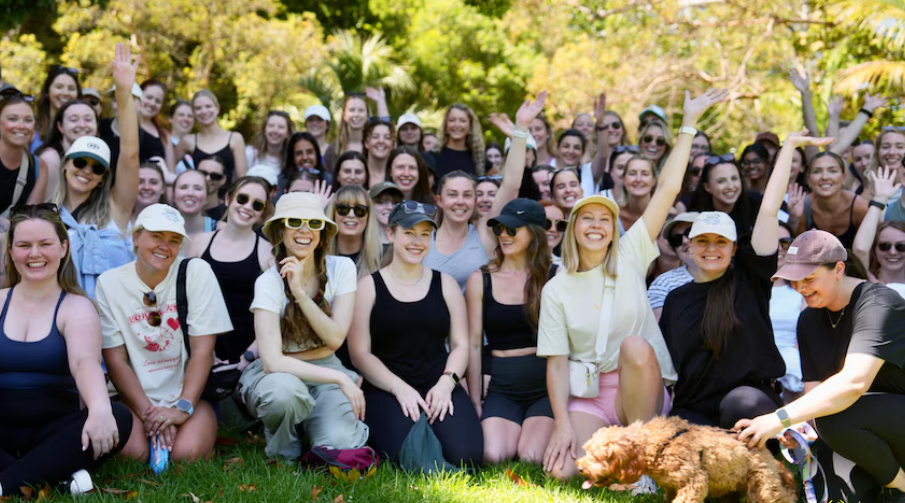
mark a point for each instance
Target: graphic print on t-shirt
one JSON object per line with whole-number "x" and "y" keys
{"x": 161, "y": 342}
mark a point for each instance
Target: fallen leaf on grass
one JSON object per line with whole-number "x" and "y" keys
{"x": 315, "y": 491}
{"x": 43, "y": 495}
{"x": 247, "y": 487}
{"x": 514, "y": 477}
{"x": 125, "y": 493}
{"x": 151, "y": 482}
{"x": 27, "y": 492}
{"x": 339, "y": 499}
{"x": 231, "y": 462}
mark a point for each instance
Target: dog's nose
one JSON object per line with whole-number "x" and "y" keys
{"x": 580, "y": 470}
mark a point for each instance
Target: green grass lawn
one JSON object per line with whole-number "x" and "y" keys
{"x": 241, "y": 472}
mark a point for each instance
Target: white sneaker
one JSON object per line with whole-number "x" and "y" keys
{"x": 645, "y": 485}
{"x": 81, "y": 483}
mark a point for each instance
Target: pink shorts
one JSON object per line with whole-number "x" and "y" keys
{"x": 604, "y": 404}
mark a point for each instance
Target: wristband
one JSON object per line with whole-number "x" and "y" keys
{"x": 877, "y": 204}
{"x": 453, "y": 376}
{"x": 784, "y": 418}
{"x": 520, "y": 134}
{"x": 688, "y": 130}
{"x": 868, "y": 113}
{"x": 249, "y": 356}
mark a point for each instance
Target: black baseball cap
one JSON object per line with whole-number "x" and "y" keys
{"x": 519, "y": 213}
{"x": 408, "y": 214}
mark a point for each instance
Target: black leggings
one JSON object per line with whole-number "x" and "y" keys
{"x": 459, "y": 434}
{"x": 50, "y": 451}
{"x": 871, "y": 434}
{"x": 744, "y": 402}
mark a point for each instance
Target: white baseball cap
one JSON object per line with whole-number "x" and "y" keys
{"x": 714, "y": 222}
{"x": 532, "y": 144}
{"x": 136, "y": 90}
{"x": 263, "y": 171}
{"x": 317, "y": 111}
{"x": 91, "y": 147}
{"x": 408, "y": 119}
{"x": 160, "y": 218}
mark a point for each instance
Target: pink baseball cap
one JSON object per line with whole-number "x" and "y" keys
{"x": 809, "y": 251}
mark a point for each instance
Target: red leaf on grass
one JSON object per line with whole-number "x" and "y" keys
{"x": 514, "y": 477}
{"x": 339, "y": 499}
{"x": 227, "y": 441}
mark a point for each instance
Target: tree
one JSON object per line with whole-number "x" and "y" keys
{"x": 884, "y": 22}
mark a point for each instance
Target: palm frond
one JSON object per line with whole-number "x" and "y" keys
{"x": 871, "y": 73}
{"x": 885, "y": 19}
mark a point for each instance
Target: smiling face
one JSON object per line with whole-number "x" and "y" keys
{"x": 457, "y": 199}
{"x": 570, "y": 150}
{"x": 150, "y": 186}
{"x": 513, "y": 246}
{"x": 861, "y": 157}
{"x": 585, "y": 124}
{"x": 316, "y": 126}
{"x": 411, "y": 245}
{"x": 380, "y": 142}
{"x": 724, "y": 184}
{"x": 615, "y": 130}
{"x": 351, "y": 172}
{"x": 755, "y": 167}
{"x": 538, "y": 130}
{"x": 351, "y": 225}
{"x": 383, "y": 206}
{"x": 404, "y": 172}
{"x": 494, "y": 157}
{"x": 798, "y": 164}
{"x": 699, "y": 145}
{"x": 212, "y": 169}
{"x": 17, "y": 125}
{"x": 784, "y": 242}
{"x": 245, "y": 215}
{"x": 355, "y": 113}
{"x": 301, "y": 243}
{"x": 639, "y": 178}
{"x": 206, "y": 111}
{"x": 565, "y": 189}
{"x": 712, "y": 254}
{"x": 593, "y": 228}
{"x": 151, "y": 101}
{"x": 891, "y": 149}
{"x": 78, "y": 120}
{"x": 183, "y": 120}
{"x": 190, "y": 193}
{"x": 36, "y": 250}
{"x": 653, "y": 143}
{"x": 304, "y": 154}
{"x": 82, "y": 181}
{"x": 822, "y": 287}
{"x": 156, "y": 251}
{"x": 825, "y": 177}
{"x": 276, "y": 130}
{"x": 892, "y": 260}
{"x": 410, "y": 134}
{"x": 554, "y": 214}
{"x": 683, "y": 251}
{"x": 484, "y": 194}
{"x": 542, "y": 179}
{"x": 457, "y": 124}
{"x": 62, "y": 89}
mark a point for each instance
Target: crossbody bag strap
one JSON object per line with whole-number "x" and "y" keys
{"x": 606, "y": 315}
{"x": 182, "y": 303}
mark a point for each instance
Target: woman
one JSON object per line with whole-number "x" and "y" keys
{"x": 379, "y": 140}
{"x": 182, "y": 120}
{"x": 154, "y": 141}
{"x": 617, "y": 162}
{"x": 410, "y": 133}
{"x": 96, "y": 214}
{"x": 722, "y": 188}
{"x": 503, "y": 301}
{"x": 157, "y": 376}
{"x": 351, "y": 169}
{"x": 50, "y": 362}
{"x": 555, "y": 228}
{"x": 785, "y": 308}
{"x": 317, "y": 124}
{"x": 384, "y": 196}
{"x": 17, "y": 128}
{"x": 74, "y": 120}
{"x": 214, "y": 171}
{"x": 862, "y": 156}
{"x": 189, "y": 197}
{"x": 541, "y": 176}
{"x": 851, "y": 337}
{"x": 298, "y": 385}
{"x": 351, "y": 130}
{"x": 566, "y": 188}
{"x": 693, "y": 178}
{"x": 237, "y": 256}
{"x": 543, "y": 134}
{"x": 302, "y": 154}
{"x": 881, "y": 245}
{"x": 408, "y": 171}
{"x": 571, "y": 147}
{"x": 635, "y": 363}
{"x": 357, "y": 237}
{"x": 655, "y": 141}
{"x": 493, "y": 153}
{"x": 151, "y": 188}
{"x": 459, "y": 248}
{"x": 700, "y": 144}
{"x": 211, "y": 139}
{"x": 429, "y": 142}
{"x": 638, "y": 182}
{"x": 889, "y": 148}
{"x": 60, "y": 86}
{"x": 269, "y": 145}
{"x": 301, "y": 181}
{"x": 756, "y": 165}
{"x": 718, "y": 327}
{"x": 485, "y": 192}
{"x": 829, "y": 206}
{"x": 461, "y": 142}
{"x": 403, "y": 315}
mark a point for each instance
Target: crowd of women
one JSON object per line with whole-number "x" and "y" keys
{"x": 361, "y": 276}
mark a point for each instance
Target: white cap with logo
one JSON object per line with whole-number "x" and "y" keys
{"x": 160, "y": 218}
{"x": 408, "y": 119}
{"x": 317, "y": 111}
{"x": 714, "y": 222}
{"x": 91, "y": 147}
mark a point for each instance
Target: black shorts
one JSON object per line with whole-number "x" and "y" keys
{"x": 518, "y": 389}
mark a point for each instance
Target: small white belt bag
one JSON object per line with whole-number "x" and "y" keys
{"x": 584, "y": 377}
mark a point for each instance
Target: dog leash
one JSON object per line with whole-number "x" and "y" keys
{"x": 803, "y": 458}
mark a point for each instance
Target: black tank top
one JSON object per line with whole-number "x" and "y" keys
{"x": 237, "y": 282}
{"x": 224, "y": 153}
{"x": 505, "y": 325}
{"x": 8, "y": 183}
{"x": 408, "y": 337}
{"x": 150, "y": 146}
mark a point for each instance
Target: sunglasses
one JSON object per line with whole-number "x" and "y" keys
{"x": 314, "y": 224}
{"x": 650, "y": 139}
{"x": 494, "y": 178}
{"x": 498, "y": 229}
{"x": 785, "y": 243}
{"x": 716, "y": 159}
{"x": 213, "y": 176}
{"x": 360, "y": 210}
{"x": 695, "y": 171}
{"x": 64, "y": 69}
{"x": 13, "y": 93}
{"x": 893, "y": 128}
{"x": 96, "y": 167}
{"x": 413, "y": 207}
{"x": 885, "y": 247}
{"x": 752, "y": 162}
{"x": 621, "y": 149}
{"x": 558, "y": 223}
{"x": 150, "y": 300}
{"x": 374, "y": 120}
{"x": 93, "y": 101}
{"x": 313, "y": 171}
{"x": 616, "y": 126}
{"x": 25, "y": 208}
{"x": 675, "y": 240}
{"x": 256, "y": 205}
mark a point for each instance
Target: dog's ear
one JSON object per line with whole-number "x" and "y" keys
{"x": 626, "y": 461}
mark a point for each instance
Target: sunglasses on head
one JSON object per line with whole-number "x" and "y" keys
{"x": 213, "y": 176}
{"x": 494, "y": 178}
{"x": 558, "y": 223}
{"x": 498, "y": 229}
{"x": 25, "y": 208}
{"x": 13, "y": 93}
{"x": 150, "y": 300}
{"x": 412, "y": 207}
{"x": 616, "y": 126}
{"x": 64, "y": 69}
{"x": 359, "y": 210}
{"x": 93, "y": 101}
{"x": 675, "y": 240}
{"x": 621, "y": 149}
{"x": 256, "y": 205}
{"x": 893, "y": 128}
{"x": 314, "y": 224}
{"x": 885, "y": 246}
{"x": 716, "y": 159}
{"x": 96, "y": 167}
{"x": 374, "y": 120}
{"x": 650, "y": 139}
{"x": 785, "y": 243}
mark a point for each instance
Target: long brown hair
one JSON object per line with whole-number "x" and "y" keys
{"x": 719, "y": 321}
{"x": 66, "y": 274}
{"x": 294, "y": 326}
{"x": 539, "y": 261}
{"x": 874, "y": 265}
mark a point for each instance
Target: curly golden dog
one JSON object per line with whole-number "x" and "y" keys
{"x": 689, "y": 462}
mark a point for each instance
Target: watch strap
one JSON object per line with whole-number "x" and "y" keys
{"x": 453, "y": 376}
{"x": 688, "y": 130}
{"x": 784, "y": 418}
{"x": 520, "y": 134}
{"x": 877, "y": 204}
{"x": 249, "y": 356}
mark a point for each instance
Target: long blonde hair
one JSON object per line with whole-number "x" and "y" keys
{"x": 96, "y": 210}
{"x": 371, "y": 255}
{"x": 474, "y": 140}
{"x": 342, "y": 139}
{"x": 570, "y": 259}
{"x": 667, "y": 135}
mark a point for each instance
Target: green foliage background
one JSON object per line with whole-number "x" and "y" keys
{"x": 490, "y": 54}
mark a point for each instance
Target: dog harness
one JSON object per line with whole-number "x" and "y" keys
{"x": 666, "y": 444}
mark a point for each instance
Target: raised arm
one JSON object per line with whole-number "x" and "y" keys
{"x": 125, "y": 191}
{"x": 602, "y": 157}
{"x": 833, "y": 110}
{"x": 853, "y": 130}
{"x": 884, "y": 181}
{"x": 380, "y": 98}
{"x": 514, "y": 168}
{"x": 765, "y": 236}
{"x": 669, "y": 184}
{"x": 802, "y": 82}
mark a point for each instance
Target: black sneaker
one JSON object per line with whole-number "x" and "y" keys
{"x": 889, "y": 495}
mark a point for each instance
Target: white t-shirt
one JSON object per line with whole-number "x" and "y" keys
{"x": 571, "y": 303}
{"x": 342, "y": 278}
{"x": 251, "y": 155}
{"x": 157, "y": 354}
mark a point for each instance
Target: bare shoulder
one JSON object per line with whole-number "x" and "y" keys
{"x": 265, "y": 253}
{"x": 199, "y": 243}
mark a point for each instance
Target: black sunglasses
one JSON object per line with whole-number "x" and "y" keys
{"x": 559, "y": 223}
{"x": 494, "y": 178}
{"x": 675, "y": 240}
{"x": 716, "y": 159}
{"x": 256, "y": 205}
{"x": 213, "y": 176}
{"x": 785, "y": 243}
{"x": 25, "y": 208}
{"x": 885, "y": 247}
{"x": 498, "y": 229}
{"x": 93, "y": 101}
{"x": 660, "y": 141}
{"x": 64, "y": 69}
{"x": 150, "y": 300}
{"x": 411, "y": 207}
{"x": 13, "y": 93}
{"x": 96, "y": 167}
{"x": 893, "y": 128}
{"x": 616, "y": 126}
{"x": 359, "y": 210}
{"x": 621, "y": 149}
{"x": 374, "y": 120}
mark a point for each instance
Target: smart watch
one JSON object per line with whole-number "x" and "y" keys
{"x": 453, "y": 376}
{"x": 784, "y": 418}
{"x": 249, "y": 356}
{"x": 184, "y": 405}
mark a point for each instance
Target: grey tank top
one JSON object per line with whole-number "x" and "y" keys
{"x": 464, "y": 261}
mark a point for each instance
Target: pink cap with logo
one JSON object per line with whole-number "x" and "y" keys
{"x": 809, "y": 251}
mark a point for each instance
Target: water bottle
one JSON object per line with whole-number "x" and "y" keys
{"x": 160, "y": 457}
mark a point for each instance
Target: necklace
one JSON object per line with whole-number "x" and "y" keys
{"x": 420, "y": 274}
{"x": 837, "y": 321}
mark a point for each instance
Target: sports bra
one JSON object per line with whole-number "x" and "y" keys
{"x": 505, "y": 325}
{"x": 225, "y": 153}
